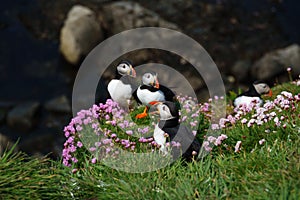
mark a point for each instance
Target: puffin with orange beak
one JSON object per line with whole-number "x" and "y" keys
{"x": 168, "y": 129}
{"x": 122, "y": 87}
{"x": 151, "y": 92}
{"x": 253, "y": 94}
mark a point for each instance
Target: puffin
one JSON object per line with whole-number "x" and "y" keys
{"x": 254, "y": 93}
{"x": 151, "y": 92}
{"x": 168, "y": 129}
{"x": 121, "y": 88}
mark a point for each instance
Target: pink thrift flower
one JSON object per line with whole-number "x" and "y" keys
{"x": 206, "y": 146}
{"x": 211, "y": 139}
{"x": 121, "y": 125}
{"x": 215, "y": 126}
{"x": 222, "y": 122}
{"x": 107, "y": 117}
{"x": 92, "y": 149}
{"x": 237, "y": 147}
{"x": 262, "y": 141}
{"x": 244, "y": 121}
{"x": 129, "y": 132}
{"x": 231, "y": 119}
{"x": 106, "y": 141}
{"x": 74, "y": 160}
{"x": 95, "y": 126}
{"x": 87, "y": 121}
{"x": 193, "y": 124}
{"x": 67, "y": 134}
{"x": 94, "y": 160}
{"x": 78, "y": 128}
{"x": 79, "y": 144}
{"x": 194, "y": 133}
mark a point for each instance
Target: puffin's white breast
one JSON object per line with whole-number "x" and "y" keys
{"x": 119, "y": 91}
{"x": 247, "y": 100}
{"x": 159, "y": 138}
{"x": 146, "y": 96}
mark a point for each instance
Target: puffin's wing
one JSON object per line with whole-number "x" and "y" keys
{"x": 134, "y": 94}
{"x": 187, "y": 140}
{"x": 101, "y": 93}
{"x": 128, "y": 80}
{"x": 169, "y": 94}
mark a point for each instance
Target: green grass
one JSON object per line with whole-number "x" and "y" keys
{"x": 269, "y": 171}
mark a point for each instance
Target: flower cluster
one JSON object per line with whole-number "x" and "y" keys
{"x": 275, "y": 114}
{"x": 106, "y": 129}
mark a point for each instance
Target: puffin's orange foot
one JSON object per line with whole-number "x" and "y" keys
{"x": 141, "y": 115}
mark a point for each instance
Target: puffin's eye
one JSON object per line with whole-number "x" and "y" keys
{"x": 124, "y": 66}
{"x": 164, "y": 108}
{"x": 264, "y": 86}
{"x": 148, "y": 76}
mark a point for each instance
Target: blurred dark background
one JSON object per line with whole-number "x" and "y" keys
{"x": 247, "y": 39}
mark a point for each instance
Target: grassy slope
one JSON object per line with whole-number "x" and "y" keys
{"x": 270, "y": 171}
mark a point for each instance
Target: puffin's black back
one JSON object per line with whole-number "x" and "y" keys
{"x": 173, "y": 109}
{"x": 101, "y": 93}
{"x": 169, "y": 94}
{"x": 251, "y": 92}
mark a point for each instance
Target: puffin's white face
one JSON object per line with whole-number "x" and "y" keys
{"x": 164, "y": 112}
{"x": 126, "y": 69}
{"x": 262, "y": 88}
{"x": 150, "y": 79}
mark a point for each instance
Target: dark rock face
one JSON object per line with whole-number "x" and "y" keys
{"x": 240, "y": 69}
{"x": 59, "y": 104}
{"x": 22, "y": 117}
{"x": 276, "y": 62}
{"x": 121, "y": 16}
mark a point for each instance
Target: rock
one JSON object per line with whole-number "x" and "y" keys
{"x": 240, "y": 70}
{"x": 22, "y": 116}
{"x": 120, "y": 16}
{"x": 59, "y": 104}
{"x": 276, "y": 62}
{"x": 80, "y": 34}
{"x": 6, "y": 144}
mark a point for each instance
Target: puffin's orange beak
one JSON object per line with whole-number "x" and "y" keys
{"x": 156, "y": 83}
{"x": 270, "y": 93}
{"x": 132, "y": 72}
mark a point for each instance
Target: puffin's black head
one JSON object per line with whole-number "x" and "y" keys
{"x": 150, "y": 79}
{"x": 168, "y": 110}
{"x": 125, "y": 68}
{"x": 262, "y": 88}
